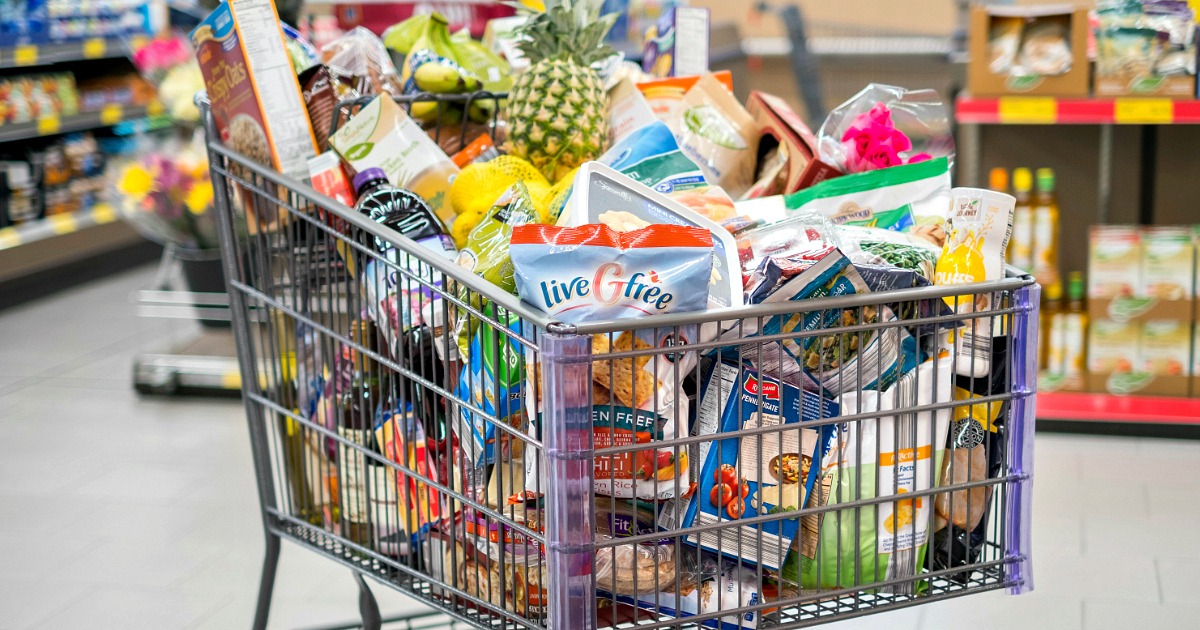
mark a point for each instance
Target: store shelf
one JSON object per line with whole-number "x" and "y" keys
{"x": 33, "y": 55}
{"x": 1109, "y": 408}
{"x": 56, "y": 225}
{"x": 52, "y": 125}
{"x": 1048, "y": 110}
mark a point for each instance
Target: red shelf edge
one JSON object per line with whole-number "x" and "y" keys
{"x": 1110, "y": 408}
{"x": 1071, "y": 111}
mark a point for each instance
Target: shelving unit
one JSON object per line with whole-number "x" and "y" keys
{"x": 32, "y": 55}
{"x": 1109, "y": 408}
{"x": 110, "y": 116}
{"x": 1149, "y": 113}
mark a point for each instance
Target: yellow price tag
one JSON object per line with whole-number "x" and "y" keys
{"x": 104, "y": 213}
{"x": 94, "y": 48}
{"x": 25, "y": 55}
{"x": 9, "y": 237}
{"x": 1038, "y": 110}
{"x": 64, "y": 223}
{"x": 154, "y": 108}
{"x": 111, "y": 114}
{"x": 1144, "y": 111}
{"x": 231, "y": 380}
{"x": 48, "y": 125}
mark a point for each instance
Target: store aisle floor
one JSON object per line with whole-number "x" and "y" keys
{"x": 122, "y": 511}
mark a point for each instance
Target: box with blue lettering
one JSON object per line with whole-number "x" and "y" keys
{"x": 763, "y": 473}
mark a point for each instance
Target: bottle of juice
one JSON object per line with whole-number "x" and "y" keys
{"x": 1047, "y": 341}
{"x": 1021, "y": 244}
{"x": 1075, "y": 322}
{"x": 1045, "y": 230}
{"x": 402, "y": 211}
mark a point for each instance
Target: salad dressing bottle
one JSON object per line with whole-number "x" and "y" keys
{"x": 1075, "y": 324}
{"x": 1045, "y": 230}
{"x": 1021, "y": 244}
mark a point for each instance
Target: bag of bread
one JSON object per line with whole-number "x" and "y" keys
{"x": 718, "y": 134}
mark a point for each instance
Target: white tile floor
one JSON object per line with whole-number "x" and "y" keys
{"x": 120, "y": 511}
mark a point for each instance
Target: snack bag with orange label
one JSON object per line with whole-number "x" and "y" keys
{"x": 889, "y": 457}
{"x": 977, "y": 233}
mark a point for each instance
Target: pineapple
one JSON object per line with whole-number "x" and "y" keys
{"x": 558, "y": 110}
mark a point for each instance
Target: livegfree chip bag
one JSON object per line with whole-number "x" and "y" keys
{"x": 593, "y": 273}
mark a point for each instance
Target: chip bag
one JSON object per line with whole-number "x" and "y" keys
{"x": 593, "y": 273}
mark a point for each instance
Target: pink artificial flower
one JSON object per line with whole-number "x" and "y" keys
{"x": 880, "y": 156}
{"x": 919, "y": 157}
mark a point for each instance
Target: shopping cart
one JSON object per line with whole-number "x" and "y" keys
{"x": 479, "y": 480}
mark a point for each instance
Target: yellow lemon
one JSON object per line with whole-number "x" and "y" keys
{"x": 472, "y": 194}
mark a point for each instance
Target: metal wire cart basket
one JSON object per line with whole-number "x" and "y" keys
{"x": 428, "y": 430}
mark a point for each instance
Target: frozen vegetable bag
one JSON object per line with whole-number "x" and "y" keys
{"x": 904, "y": 454}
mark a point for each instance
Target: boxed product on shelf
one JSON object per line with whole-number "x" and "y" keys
{"x": 1146, "y": 50}
{"x": 125, "y": 90}
{"x": 1141, "y": 305}
{"x": 1028, "y": 50}
{"x": 677, "y": 46}
{"x": 28, "y": 97}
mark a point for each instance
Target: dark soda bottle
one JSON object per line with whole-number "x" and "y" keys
{"x": 401, "y": 210}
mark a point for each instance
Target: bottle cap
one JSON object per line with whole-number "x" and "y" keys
{"x": 1022, "y": 180}
{"x": 1045, "y": 179}
{"x": 1075, "y": 288}
{"x": 368, "y": 175}
{"x": 1054, "y": 291}
{"x": 998, "y": 179}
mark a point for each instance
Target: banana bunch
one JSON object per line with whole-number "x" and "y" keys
{"x": 437, "y": 63}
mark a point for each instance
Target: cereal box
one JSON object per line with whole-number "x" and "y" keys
{"x": 255, "y": 95}
{"x": 678, "y": 45}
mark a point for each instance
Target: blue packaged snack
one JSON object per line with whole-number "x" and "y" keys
{"x": 493, "y": 380}
{"x": 754, "y": 476}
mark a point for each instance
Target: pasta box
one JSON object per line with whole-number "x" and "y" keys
{"x": 757, "y": 475}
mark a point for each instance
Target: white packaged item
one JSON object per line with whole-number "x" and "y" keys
{"x": 977, "y": 234}
{"x": 627, "y": 110}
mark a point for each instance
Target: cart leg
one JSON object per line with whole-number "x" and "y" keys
{"x": 371, "y": 619}
{"x": 267, "y": 584}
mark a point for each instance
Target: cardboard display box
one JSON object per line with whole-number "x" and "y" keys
{"x": 981, "y": 81}
{"x": 781, "y": 126}
{"x": 1180, "y": 86}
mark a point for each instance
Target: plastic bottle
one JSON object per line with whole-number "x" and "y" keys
{"x": 402, "y": 211}
{"x": 1045, "y": 230}
{"x": 1048, "y": 341}
{"x": 1021, "y": 244}
{"x": 1075, "y": 324}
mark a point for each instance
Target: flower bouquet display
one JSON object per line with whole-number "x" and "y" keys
{"x": 884, "y": 126}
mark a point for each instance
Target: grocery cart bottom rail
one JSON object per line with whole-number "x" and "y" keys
{"x": 822, "y": 608}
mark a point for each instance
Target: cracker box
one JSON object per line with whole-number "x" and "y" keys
{"x": 1168, "y": 262}
{"x": 678, "y": 45}
{"x": 256, "y": 99}
{"x": 755, "y": 476}
{"x": 1164, "y": 348}
{"x": 1114, "y": 261}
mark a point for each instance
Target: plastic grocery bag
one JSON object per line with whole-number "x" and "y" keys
{"x": 885, "y": 125}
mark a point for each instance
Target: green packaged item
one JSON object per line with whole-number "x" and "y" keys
{"x": 907, "y": 198}
{"x": 486, "y": 252}
{"x": 876, "y": 246}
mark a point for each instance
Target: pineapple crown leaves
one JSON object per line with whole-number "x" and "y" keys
{"x": 571, "y": 30}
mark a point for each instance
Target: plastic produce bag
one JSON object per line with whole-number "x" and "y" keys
{"x": 885, "y": 125}
{"x": 877, "y": 246}
{"x": 359, "y": 61}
